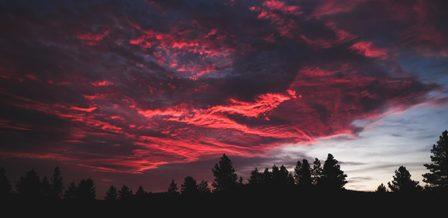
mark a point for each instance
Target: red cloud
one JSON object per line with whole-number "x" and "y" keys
{"x": 369, "y": 50}
{"x": 217, "y": 117}
{"x": 263, "y": 104}
{"x": 279, "y": 14}
{"x": 82, "y": 109}
{"x": 102, "y": 83}
{"x": 171, "y": 49}
{"x": 93, "y": 38}
{"x": 183, "y": 81}
{"x": 281, "y": 6}
{"x": 320, "y": 102}
{"x": 340, "y": 36}
{"x": 331, "y": 7}
{"x": 340, "y": 95}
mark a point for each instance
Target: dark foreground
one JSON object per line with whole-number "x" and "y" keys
{"x": 250, "y": 205}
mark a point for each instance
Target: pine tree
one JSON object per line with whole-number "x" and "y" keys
{"x": 46, "y": 188}
{"x": 333, "y": 178}
{"x": 303, "y": 174}
{"x": 280, "y": 177}
{"x": 125, "y": 193}
{"x": 297, "y": 172}
{"x": 316, "y": 172}
{"x": 290, "y": 179}
{"x": 71, "y": 192}
{"x": 255, "y": 178}
{"x": 57, "y": 185}
{"x": 267, "y": 177}
{"x": 402, "y": 182}
{"x": 29, "y": 186}
{"x": 111, "y": 194}
{"x": 275, "y": 172}
{"x": 5, "y": 185}
{"x": 437, "y": 178}
{"x": 172, "y": 188}
{"x": 140, "y": 194}
{"x": 189, "y": 187}
{"x": 203, "y": 187}
{"x": 286, "y": 180}
{"x": 240, "y": 183}
{"x": 381, "y": 188}
{"x": 225, "y": 176}
{"x": 86, "y": 190}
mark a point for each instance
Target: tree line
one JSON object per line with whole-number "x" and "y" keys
{"x": 305, "y": 177}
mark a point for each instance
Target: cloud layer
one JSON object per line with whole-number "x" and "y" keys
{"x": 129, "y": 86}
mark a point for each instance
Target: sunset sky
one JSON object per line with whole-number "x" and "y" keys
{"x": 144, "y": 91}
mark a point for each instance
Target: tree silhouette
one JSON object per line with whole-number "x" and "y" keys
{"x": 140, "y": 194}
{"x": 29, "y": 186}
{"x": 225, "y": 176}
{"x": 57, "y": 185}
{"x": 125, "y": 193}
{"x": 45, "y": 188}
{"x": 333, "y": 178}
{"x": 302, "y": 174}
{"x": 111, "y": 194}
{"x": 203, "y": 187}
{"x": 316, "y": 172}
{"x": 329, "y": 177}
{"x": 437, "y": 178}
{"x": 86, "y": 190}
{"x": 381, "y": 188}
{"x": 255, "y": 178}
{"x": 5, "y": 185}
{"x": 285, "y": 179}
{"x": 71, "y": 192}
{"x": 240, "y": 183}
{"x": 266, "y": 177}
{"x": 276, "y": 176}
{"x": 297, "y": 172}
{"x": 172, "y": 188}
{"x": 402, "y": 182}
{"x": 189, "y": 187}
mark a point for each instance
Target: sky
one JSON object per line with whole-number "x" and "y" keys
{"x": 144, "y": 91}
